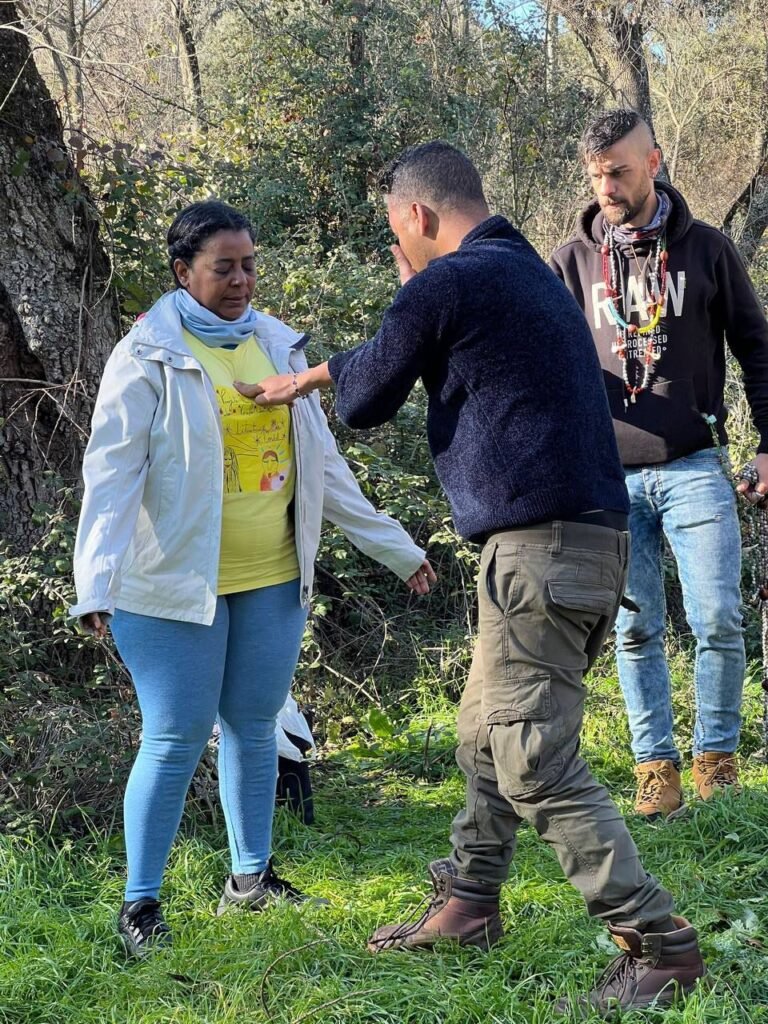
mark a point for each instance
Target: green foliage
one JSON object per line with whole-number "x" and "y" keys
{"x": 65, "y": 716}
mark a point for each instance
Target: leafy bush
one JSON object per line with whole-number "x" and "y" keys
{"x": 67, "y": 725}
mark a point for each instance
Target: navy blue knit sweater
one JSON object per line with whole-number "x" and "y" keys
{"x": 518, "y": 421}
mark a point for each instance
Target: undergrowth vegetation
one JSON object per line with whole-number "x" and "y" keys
{"x": 384, "y": 806}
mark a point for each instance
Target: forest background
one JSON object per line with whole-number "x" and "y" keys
{"x": 114, "y": 114}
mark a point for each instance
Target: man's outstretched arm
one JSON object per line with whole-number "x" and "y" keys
{"x": 374, "y": 379}
{"x": 285, "y": 388}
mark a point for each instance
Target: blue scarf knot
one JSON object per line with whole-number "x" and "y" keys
{"x": 210, "y": 328}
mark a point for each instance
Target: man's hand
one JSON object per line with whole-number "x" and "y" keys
{"x": 285, "y": 388}
{"x": 94, "y": 624}
{"x": 419, "y": 582}
{"x": 403, "y": 266}
{"x": 277, "y": 390}
{"x": 754, "y": 493}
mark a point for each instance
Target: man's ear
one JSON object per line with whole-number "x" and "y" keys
{"x": 425, "y": 220}
{"x": 654, "y": 162}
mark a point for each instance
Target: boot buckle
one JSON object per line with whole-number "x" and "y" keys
{"x": 651, "y": 947}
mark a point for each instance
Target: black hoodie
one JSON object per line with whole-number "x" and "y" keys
{"x": 709, "y": 298}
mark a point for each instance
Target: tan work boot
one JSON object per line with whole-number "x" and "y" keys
{"x": 659, "y": 790}
{"x": 462, "y": 910}
{"x": 653, "y": 970}
{"x": 715, "y": 773}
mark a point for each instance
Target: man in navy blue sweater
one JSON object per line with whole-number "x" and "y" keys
{"x": 520, "y": 432}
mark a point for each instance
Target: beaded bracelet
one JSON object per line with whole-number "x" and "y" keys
{"x": 297, "y": 389}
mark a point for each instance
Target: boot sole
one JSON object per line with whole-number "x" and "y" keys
{"x": 657, "y": 816}
{"x": 482, "y": 940}
{"x": 672, "y": 994}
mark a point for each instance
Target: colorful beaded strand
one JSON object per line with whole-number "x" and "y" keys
{"x": 651, "y": 355}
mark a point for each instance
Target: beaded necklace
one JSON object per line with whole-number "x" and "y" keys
{"x": 656, "y": 295}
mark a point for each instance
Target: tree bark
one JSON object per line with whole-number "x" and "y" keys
{"x": 750, "y": 210}
{"x": 612, "y": 34}
{"x": 750, "y": 207}
{"x": 358, "y": 10}
{"x": 187, "y": 36}
{"x": 58, "y": 313}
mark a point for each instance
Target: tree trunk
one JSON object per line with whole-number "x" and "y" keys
{"x": 747, "y": 219}
{"x": 187, "y": 36}
{"x": 358, "y": 11}
{"x": 612, "y": 34}
{"x": 58, "y": 314}
{"x": 750, "y": 209}
{"x": 550, "y": 42}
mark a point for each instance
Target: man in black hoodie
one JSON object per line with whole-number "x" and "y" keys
{"x": 661, "y": 292}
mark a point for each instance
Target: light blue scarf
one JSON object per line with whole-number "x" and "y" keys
{"x": 208, "y": 327}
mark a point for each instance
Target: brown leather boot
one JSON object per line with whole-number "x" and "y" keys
{"x": 715, "y": 773}
{"x": 466, "y": 912}
{"x": 652, "y": 970}
{"x": 659, "y": 790}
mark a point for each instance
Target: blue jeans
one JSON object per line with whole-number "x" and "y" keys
{"x": 237, "y": 670}
{"x": 690, "y": 502}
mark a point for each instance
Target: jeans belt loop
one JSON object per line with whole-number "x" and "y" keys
{"x": 557, "y": 537}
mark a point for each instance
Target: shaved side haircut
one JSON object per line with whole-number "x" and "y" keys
{"x": 609, "y": 128}
{"x": 435, "y": 173}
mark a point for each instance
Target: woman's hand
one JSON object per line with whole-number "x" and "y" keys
{"x": 419, "y": 582}
{"x": 94, "y": 624}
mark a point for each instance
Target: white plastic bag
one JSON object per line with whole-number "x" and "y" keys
{"x": 290, "y": 719}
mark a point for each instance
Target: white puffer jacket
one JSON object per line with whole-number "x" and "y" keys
{"x": 150, "y": 524}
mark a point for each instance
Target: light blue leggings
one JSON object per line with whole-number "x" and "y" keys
{"x": 237, "y": 670}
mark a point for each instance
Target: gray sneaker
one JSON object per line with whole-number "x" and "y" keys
{"x": 268, "y": 889}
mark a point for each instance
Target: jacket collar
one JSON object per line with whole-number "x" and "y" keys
{"x": 159, "y": 334}
{"x": 496, "y": 227}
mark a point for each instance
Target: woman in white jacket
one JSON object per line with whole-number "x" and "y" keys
{"x": 199, "y": 528}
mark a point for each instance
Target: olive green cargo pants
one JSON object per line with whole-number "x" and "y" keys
{"x": 548, "y": 596}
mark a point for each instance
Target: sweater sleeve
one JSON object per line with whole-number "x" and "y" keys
{"x": 374, "y": 380}
{"x": 746, "y": 330}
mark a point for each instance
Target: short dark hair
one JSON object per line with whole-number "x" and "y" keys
{"x": 436, "y": 172}
{"x": 195, "y": 224}
{"x": 608, "y": 128}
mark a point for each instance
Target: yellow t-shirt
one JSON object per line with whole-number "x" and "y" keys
{"x": 258, "y": 548}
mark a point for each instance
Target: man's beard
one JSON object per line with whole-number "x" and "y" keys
{"x": 619, "y": 213}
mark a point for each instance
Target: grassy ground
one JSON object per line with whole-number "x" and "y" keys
{"x": 384, "y": 809}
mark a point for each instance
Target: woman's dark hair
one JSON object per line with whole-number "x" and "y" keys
{"x": 195, "y": 224}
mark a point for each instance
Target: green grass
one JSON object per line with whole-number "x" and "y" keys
{"x": 384, "y": 810}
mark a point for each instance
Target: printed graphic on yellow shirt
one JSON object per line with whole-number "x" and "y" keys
{"x": 256, "y": 444}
